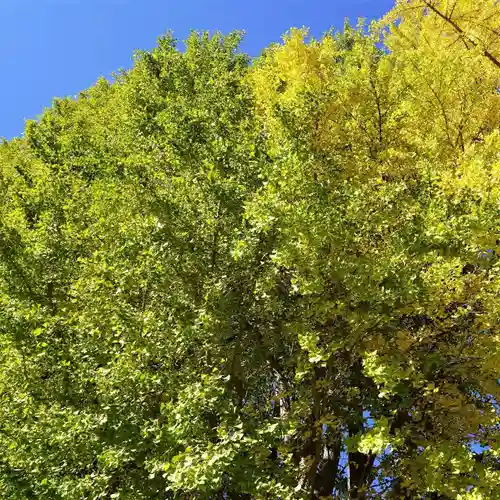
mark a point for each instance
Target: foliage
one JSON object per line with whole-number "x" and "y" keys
{"x": 277, "y": 279}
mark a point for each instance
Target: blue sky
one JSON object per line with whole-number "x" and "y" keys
{"x": 54, "y": 48}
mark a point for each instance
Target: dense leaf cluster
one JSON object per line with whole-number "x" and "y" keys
{"x": 224, "y": 278}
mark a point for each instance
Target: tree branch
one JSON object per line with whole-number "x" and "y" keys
{"x": 459, "y": 30}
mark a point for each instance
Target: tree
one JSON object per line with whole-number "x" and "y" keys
{"x": 277, "y": 280}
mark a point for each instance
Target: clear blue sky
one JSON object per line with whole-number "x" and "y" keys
{"x": 54, "y": 48}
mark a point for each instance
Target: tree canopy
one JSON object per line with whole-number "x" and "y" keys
{"x": 225, "y": 278}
